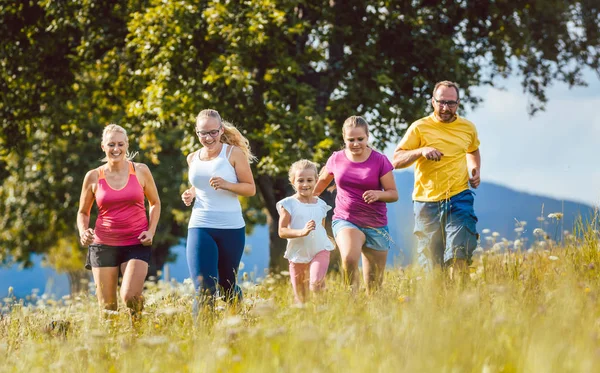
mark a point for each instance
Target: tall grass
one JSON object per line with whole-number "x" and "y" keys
{"x": 520, "y": 312}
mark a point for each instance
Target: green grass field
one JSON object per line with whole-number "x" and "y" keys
{"x": 520, "y": 312}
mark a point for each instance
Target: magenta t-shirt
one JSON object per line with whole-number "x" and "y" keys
{"x": 352, "y": 180}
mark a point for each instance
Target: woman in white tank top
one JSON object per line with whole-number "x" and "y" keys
{"x": 219, "y": 173}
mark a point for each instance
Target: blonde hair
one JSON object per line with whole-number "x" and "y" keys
{"x": 449, "y": 84}
{"x": 116, "y": 128}
{"x": 303, "y": 164}
{"x": 354, "y": 122}
{"x": 231, "y": 135}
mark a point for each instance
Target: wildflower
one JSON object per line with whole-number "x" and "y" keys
{"x": 540, "y": 218}
{"x": 247, "y": 285}
{"x": 553, "y": 257}
{"x": 231, "y": 321}
{"x": 241, "y": 266}
{"x": 519, "y": 229}
{"x": 170, "y": 311}
{"x": 248, "y": 250}
{"x": 154, "y": 341}
{"x": 555, "y": 215}
{"x": 98, "y": 334}
{"x": 485, "y": 231}
{"x": 222, "y": 352}
{"x": 263, "y": 309}
{"x": 538, "y": 232}
{"x": 495, "y": 234}
{"x": 587, "y": 290}
{"x": 285, "y": 273}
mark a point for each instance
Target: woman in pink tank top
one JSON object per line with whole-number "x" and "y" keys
{"x": 122, "y": 236}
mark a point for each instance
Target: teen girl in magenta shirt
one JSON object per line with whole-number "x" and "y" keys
{"x": 301, "y": 221}
{"x": 365, "y": 184}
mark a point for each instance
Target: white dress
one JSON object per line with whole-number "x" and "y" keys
{"x": 304, "y": 249}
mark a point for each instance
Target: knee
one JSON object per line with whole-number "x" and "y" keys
{"x": 350, "y": 262}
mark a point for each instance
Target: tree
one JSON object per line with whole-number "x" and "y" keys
{"x": 286, "y": 72}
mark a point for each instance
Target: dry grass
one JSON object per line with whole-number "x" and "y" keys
{"x": 520, "y": 312}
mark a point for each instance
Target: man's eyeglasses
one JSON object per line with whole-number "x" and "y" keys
{"x": 211, "y": 133}
{"x": 450, "y": 104}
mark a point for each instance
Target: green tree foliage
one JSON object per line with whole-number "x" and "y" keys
{"x": 287, "y": 73}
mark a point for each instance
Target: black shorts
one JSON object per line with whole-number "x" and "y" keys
{"x": 112, "y": 256}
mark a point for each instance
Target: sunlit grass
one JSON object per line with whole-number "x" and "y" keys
{"x": 537, "y": 311}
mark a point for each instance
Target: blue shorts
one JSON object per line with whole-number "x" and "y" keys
{"x": 375, "y": 238}
{"x": 446, "y": 230}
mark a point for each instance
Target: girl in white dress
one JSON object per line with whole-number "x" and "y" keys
{"x": 302, "y": 222}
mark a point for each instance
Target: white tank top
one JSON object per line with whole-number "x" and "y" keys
{"x": 214, "y": 208}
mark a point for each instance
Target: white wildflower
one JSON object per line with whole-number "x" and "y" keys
{"x": 555, "y": 215}
{"x": 495, "y": 234}
{"x": 231, "y": 321}
{"x": 553, "y": 257}
{"x": 170, "y": 311}
{"x": 538, "y": 232}
{"x": 485, "y": 231}
{"x": 153, "y": 341}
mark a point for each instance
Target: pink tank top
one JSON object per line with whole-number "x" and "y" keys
{"x": 121, "y": 213}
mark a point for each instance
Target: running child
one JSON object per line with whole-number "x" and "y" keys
{"x": 302, "y": 222}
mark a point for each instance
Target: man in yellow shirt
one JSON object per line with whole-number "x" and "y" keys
{"x": 445, "y": 150}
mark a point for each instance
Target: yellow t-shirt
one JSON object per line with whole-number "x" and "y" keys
{"x": 436, "y": 181}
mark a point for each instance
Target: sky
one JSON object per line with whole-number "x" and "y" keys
{"x": 555, "y": 153}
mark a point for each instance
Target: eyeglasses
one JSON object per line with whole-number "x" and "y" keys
{"x": 450, "y": 104}
{"x": 211, "y": 133}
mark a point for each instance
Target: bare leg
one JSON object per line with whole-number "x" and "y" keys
{"x": 106, "y": 279}
{"x": 350, "y": 242}
{"x": 373, "y": 268}
{"x": 318, "y": 271}
{"x": 134, "y": 274}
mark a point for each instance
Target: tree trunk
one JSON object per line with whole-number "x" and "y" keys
{"x": 77, "y": 281}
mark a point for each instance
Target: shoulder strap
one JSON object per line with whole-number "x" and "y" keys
{"x": 229, "y": 151}
{"x": 131, "y": 168}
{"x": 100, "y": 173}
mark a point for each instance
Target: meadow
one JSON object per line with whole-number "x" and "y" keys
{"x": 520, "y": 311}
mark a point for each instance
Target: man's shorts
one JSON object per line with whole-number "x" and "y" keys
{"x": 112, "y": 256}
{"x": 446, "y": 230}
{"x": 375, "y": 238}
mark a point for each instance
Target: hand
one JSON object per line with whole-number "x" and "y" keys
{"x": 309, "y": 227}
{"x": 431, "y": 154}
{"x": 371, "y": 196}
{"x": 475, "y": 179}
{"x": 146, "y": 238}
{"x": 218, "y": 183}
{"x": 187, "y": 197}
{"x": 87, "y": 237}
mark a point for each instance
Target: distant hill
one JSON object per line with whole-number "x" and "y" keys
{"x": 496, "y": 206}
